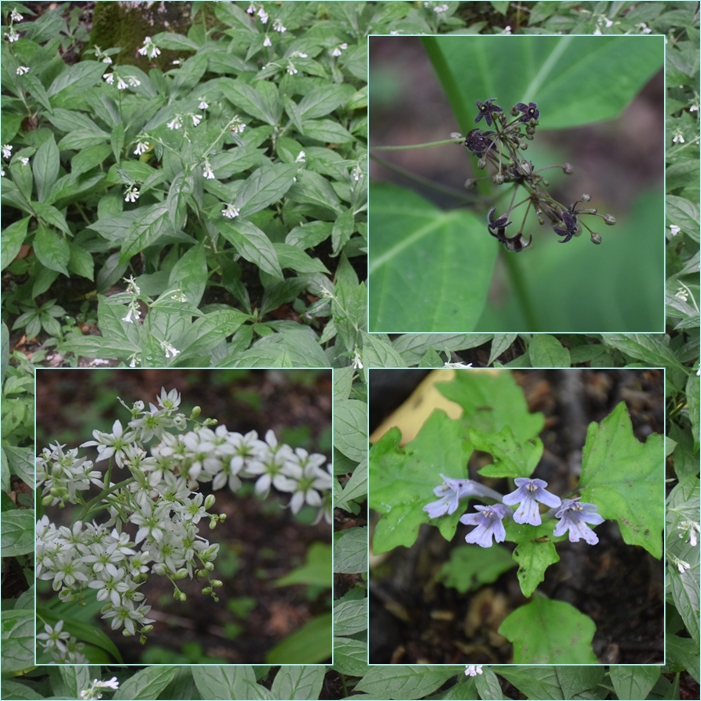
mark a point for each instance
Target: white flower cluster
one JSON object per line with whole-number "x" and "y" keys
{"x": 61, "y": 645}
{"x": 160, "y": 498}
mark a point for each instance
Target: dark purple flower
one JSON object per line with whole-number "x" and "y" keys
{"x": 501, "y": 223}
{"x": 488, "y": 522}
{"x": 497, "y": 228}
{"x": 569, "y": 219}
{"x": 479, "y": 142}
{"x": 574, "y": 517}
{"x": 486, "y": 109}
{"x": 529, "y": 111}
{"x": 529, "y": 492}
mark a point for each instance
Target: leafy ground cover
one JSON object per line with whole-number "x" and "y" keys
{"x": 336, "y": 328}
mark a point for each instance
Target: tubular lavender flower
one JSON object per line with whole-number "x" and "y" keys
{"x": 574, "y": 517}
{"x": 450, "y": 493}
{"x": 529, "y": 492}
{"x": 489, "y": 524}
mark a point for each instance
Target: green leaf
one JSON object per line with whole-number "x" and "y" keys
{"x": 683, "y": 652}
{"x": 51, "y": 249}
{"x": 264, "y": 187}
{"x": 633, "y": 682}
{"x": 488, "y": 685}
{"x": 151, "y": 223}
{"x": 413, "y": 347}
{"x": 350, "y": 656}
{"x": 81, "y": 261}
{"x": 290, "y": 349}
{"x": 471, "y": 566}
{"x": 500, "y": 343}
{"x": 21, "y": 462}
{"x": 189, "y": 274}
{"x": 549, "y": 632}
{"x": 14, "y": 690}
{"x": 652, "y": 350}
{"x": 12, "y": 239}
{"x": 76, "y": 678}
{"x": 252, "y": 244}
{"x": 342, "y": 230}
{"x": 298, "y": 683}
{"x": 312, "y": 188}
{"x": 574, "y": 79}
{"x": 546, "y": 351}
{"x": 404, "y": 681}
{"x": 403, "y": 479}
{"x": 350, "y": 616}
{"x": 414, "y": 245}
{"x": 350, "y": 424}
{"x": 378, "y": 353}
{"x": 512, "y": 458}
{"x": 326, "y": 131}
{"x": 625, "y": 479}
{"x": 46, "y": 165}
{"x": 228, "y": 682}
{"x": 17, "y": 532}
{"x": 17, "y": 641}
{"x": 311, "y": 644}
{"x": 296, "y": 259}
{"x": 146, "y": 684}
{"x": 209, "y": 331}
{"x": 354, "y": 490}
{"x": 555, "y": 682}
{"x": 252, "y": 101}
{"x": 323, "y": 100}
{"x": 80, "y": 76}
{"x": 350, "y": 551}
{"x": 316, "y": 571}
{"x": 534, "y": 553}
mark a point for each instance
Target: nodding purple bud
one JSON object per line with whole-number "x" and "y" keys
{"x": 585, "y": 198}
{"x": 609, "y": 219}
{"x": 595, "y": 238}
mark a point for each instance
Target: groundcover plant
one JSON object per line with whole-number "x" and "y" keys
{"x": 677, "y": 350}
{"x": 543, "y": 614}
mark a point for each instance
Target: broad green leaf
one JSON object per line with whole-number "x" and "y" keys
{"x": 350, "y": 417}
{"x": 555, "y": 682}
{"x": 651, "y": 350}
{"x": 252, "y": 244}
{"x": 488, "y": 685}
{"x": 429, "y": 270}
{"x": 500, "y": 343}
{"x": 349, "y": 310}
{"x": 535, "y": 551}
{"x": 51, "y": 249}
{"x": 264, "y": 187}
{"x": 350, "y": 616}
{"x": 296, "y": 259}
{"x": 378, "y": 353}
{"x": 208, "y": 331}
{"x": 12, "y": 239}
{"x": 684, "y": 213}
{"x": 312, "y": 188}
{"x": 189, "y": 274}
{"x": 17, "y": 532}
{"x": 342, "y": 230}
{"x": 298, "y": 682}
{"x": 633, "y": 682}
{"x": 350, "y": 656}
{"x": 18, "y": 641}
{"x": 413, "y": 347}
{"x": 354, "y": 490}
{"x": 228, "y": 682}
{"x": 252, "y": 100}
{"x": 625, "y": 479}
{"x": 683, "y": 652}
{"x": 546, "y": 351}
{"x": 21, "y": 462}
{"x": 151, "y": 224}
{"x": 351, "y": 551}
{"x": 402, "y": 480}
{"x": 311, "y": 644}
{"x": 45, "y": 165}
{"x": 80, "y": 76}
{"x": 19, "y": 692}
{"x": 326, "y": 131}
{"x": 549, "y": 632}
{"x": 76, "y": 678}
{"x": 573, "y": 79}
{"x": 317, "y": 569}
{"x": 292, "y": 349}
{"x": 52, "y": 216}
{"x": 146, "y": 684}
{"x": 405, "y": 681}
{"x": 692, "y": 398}
{"x": 471, "y": 566}
{"x": 511, "y": 458}
{"x": 323, "y": 100}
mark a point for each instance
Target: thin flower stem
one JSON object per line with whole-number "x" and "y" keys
{"x": 413, "y": 146}
{"x": 523, "y": 296}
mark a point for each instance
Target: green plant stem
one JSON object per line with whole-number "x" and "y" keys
{"x": 413, "y": 146}
{"x": 521, "y": 290}
{"x": 104, "y": 493}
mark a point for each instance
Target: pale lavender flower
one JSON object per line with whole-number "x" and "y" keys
{"x": 529, "y": 492}
{"x": 574, "y": 517}
{"x": 278, "y": 26}
{"x": 203, "y": 104}
{"x": 266, "y": 41}
{"x": 472, "y": 670}
{"x": 488, "y": 523}
{"x": 450, "y": 493}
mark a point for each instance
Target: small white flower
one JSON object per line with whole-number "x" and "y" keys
{"x": 290, "y": 68}
{"x": 507, "y": 30}
{"x": 597, "y": 31}
{"x": 439, "y": 9}
{"x": 109, "y": 78}
{"x": 149, "y": 49}
{"x": 133, "y": 82}
{"x": 2, "y": 172}
{"x": 357, "y": 362}
{"x": 674, "y": 229}
{"x": 339, "y": 49}
{"x": 266, "y": 41}
{"x": 683, "y": 566}
{"x": 203, "y": 104}
{"x": 7, "y": 151}
{"x": 278, "y": 26}
{"x": 15, "y": 16}
{"x": 678, "y": 138}
{"x": 24, "y": 161}
{"x": 457, "y": 365}
{"x": 132, "y": 194}
{"x": 301, "y": 157}
{"x": 92, "y": 691}
{"x": 472, "y": 670}
{"x": 196, "y": 119}
{"x": 176, "y": 62}
{"x": 21, "y": 70}
{"x": 141, "y": 147}
{"x": 236, "y": 125}
{"x": 682, "y": 294}
{"x": 175, "y": 123}
{"x": 107, "y": 60}
{"x": 230, "y": 212}
{"x": 263, "y": 15}
{"x": 121, "y": 85}
{"x": 12, "y": 35}
{"x": 251, "y": 9}
{"x": 644, "y": 29}
{"x": 208, "y": 172}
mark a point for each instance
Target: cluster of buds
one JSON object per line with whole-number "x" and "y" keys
{"x": 502, "y": 147}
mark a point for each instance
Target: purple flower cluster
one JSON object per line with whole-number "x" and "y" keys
{"x": 488, "y": 521}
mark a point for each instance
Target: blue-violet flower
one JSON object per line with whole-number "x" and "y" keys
{"x": 450, "y": 493}
{"x": 574, "y": 517}
{"x": 488, "y": 523}
{"x": 529, "y": 492}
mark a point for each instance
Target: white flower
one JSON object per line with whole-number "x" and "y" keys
{"x": 170, "y": 351}
{"x": 278, "y": 26}
{"x": 339, "y": 49}
{"x": 15, "y": 16}
{"x": 230, "y": 212}
{"x": 21, "y": 70}
{"x": 597, "y": 31}
{"x": 507, "y": 30}
{"x": 121, "y": 85}
{"x": 12, "y": 35}
{"x": 682, "y": 566}
{"x": 141, "y": 147}
{"x": 290, "y": 68}
{"x": 90, "y": 692}
{"x": 132, "y": 194}
{"x": 472, "y": 670}
{"x": 457, "y": 365}
{"x": 203, "y": 104}
{"x": 357, "y": 362}
{"x": 644, "y": 29}
{"x": 208, "y": 172}
{"x": 7, "y": 151}
{"x": 690, "y": 531}
{"x": 109, "y": 78}
{"x": 133, "y": 82}
{"x": 24, "y": 161}
{"x": 301, "y": 157}
{"x": 196, "y": 119}
{"x": 678, "y": 138}
{"x": 236, "y": 125}
{"x": 439, "y": 9}
{"x": 107, "y": 60}
{"x": 263, "y": 15}
{"x": 149, "y": 49}
{"x": 266, "y": 41}
{"x": 682, "y": 294}
{"x": 176, "y": 62}
{"x": 674, "y": 229}
{"x": 175, "y": 123}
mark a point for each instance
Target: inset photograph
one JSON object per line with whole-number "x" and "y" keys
{"x": 183, "y": 516}
{"x": 517, "y": 517}
{"x": 517, "y": 184}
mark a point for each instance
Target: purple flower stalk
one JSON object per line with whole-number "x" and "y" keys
{"x": 529, "y": 492}
{"x": 488, "y": 522}
{"x": 574, "y": 517}
{"x": 450, "y": 493}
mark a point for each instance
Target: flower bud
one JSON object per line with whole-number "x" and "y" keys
{"x": 526, "y": 167}
{"x": 47, "y": 500}
{"x": 179, "y": 595}
{"x": 498, "y": 178}
{"x": 482, "y": 163}
{"x": 180, "y": 574}
{"x": 209, "y": 501}
{"x": 595, "y": 238}
{"x": 216, "y": 583}
{"x": 195, "y": 412}
{"x": 609, "y": 219}
{"x": 585, "y": 198}
{"x": 207, "y": 590}
{"x": 146, "y": 629}
{"x": 456, "y": 135}
{"x": 567, "y": 169}
{"x": 126, "y": 633}
{"x": 523, "y": 146}
{"x": 470, "y": 183}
